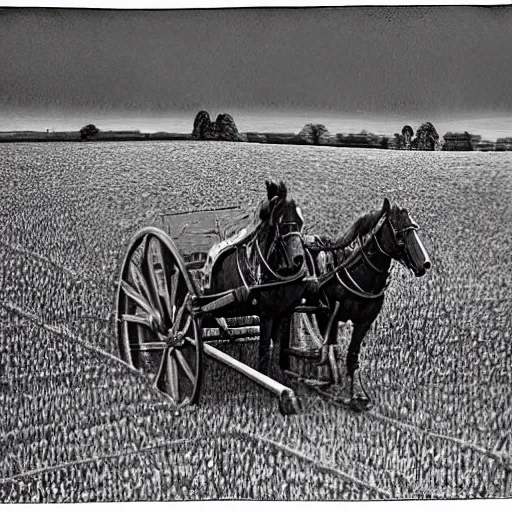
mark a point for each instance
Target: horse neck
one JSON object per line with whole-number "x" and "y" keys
{"x": 371, "y": 270}
{"x": 225, "y": 274}
{"x": 378, "y": 247}
{"x": 370, "y": 267}
{"x": 360, "y": 227}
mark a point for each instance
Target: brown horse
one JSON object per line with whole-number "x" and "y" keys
{"x": 273, "y": 255}
{"x": 354, "y": 279}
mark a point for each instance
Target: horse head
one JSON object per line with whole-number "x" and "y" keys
{"x": 401, "y": 241}
{"x": 281, "y": 234}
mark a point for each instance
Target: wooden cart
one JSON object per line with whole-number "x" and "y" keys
{"x": 166, "y": 320}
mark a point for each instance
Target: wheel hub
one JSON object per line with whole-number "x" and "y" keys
{"x": 173, "y": 339}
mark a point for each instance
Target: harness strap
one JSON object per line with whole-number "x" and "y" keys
{"x": 380, "y": 248}
{"x": 277, "y": 276}
{"x": 367, "y": 260}
{"x": 360, "y": 292}
{"x": 240, "y": 272}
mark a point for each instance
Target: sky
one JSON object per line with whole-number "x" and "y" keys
{"x": 398, "y": 60}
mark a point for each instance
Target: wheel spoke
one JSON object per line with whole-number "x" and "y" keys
{"x": 179, "y": 314}
{"x": 174, "y": 290}
{"x": 150, "y": 265}
{"x": 172, "y": 375}
{"x": 140, "y": 283}
{"x": 138, "y": 299}
{"x": 191, "y": 340}
{"x": 186, "y": 368}
{"x": 186, "y": 327}
{"x": 163, "y": 290}
{"x": 160, "y": 374}
{"x": 136, "y": 319}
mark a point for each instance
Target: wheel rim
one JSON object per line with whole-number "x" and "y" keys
{"x": 157, "y": 335}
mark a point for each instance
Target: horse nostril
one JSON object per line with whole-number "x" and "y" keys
{"x": 298, "y": 261}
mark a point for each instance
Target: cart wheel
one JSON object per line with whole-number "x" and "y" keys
{"x": 156, "y": 332}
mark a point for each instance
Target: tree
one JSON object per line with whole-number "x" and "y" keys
{"x": 223, "y": 128}
{"x": 407, "y": 133}
{"x": 202, "y": 125}
{"x": 398, "y": 141}
{"x": 312, "y": 133}
{"x": 88, "y": 131}
{"x": 426, "y": 137}
{"x": 226, "y": 128}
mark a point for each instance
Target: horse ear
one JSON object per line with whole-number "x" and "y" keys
{"x": 272, "y": 189}
{"x": 282, "y": 190}
{"x": 386, "y": 207}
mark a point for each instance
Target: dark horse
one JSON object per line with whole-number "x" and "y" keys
{"x": 271, "y": 254}
{"x": 356, "y": 277}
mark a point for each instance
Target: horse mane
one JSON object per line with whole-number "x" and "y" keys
{"x": 361, "y": 227}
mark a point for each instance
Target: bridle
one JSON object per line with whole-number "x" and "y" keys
{"x": 291, "y": 229}
{"x": 282, "y": 231}
{"x": 398, "y": 239}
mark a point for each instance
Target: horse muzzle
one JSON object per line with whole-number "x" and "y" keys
{"x": 417, "y": 256}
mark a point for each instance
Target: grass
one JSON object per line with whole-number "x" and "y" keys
{"x": 80, "y": 426}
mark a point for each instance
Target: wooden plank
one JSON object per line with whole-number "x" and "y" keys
{"x": 235, "y": 332}
{"x": 219, "y": 303}
{"x": 242, "y": 321}
{"x": 239, "y": 341}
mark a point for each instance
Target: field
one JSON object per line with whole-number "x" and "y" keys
{"x": 78, "y": 425}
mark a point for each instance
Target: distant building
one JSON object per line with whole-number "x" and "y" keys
{"x": 504, "y": 144}
{"x": 460, "y": 141}
{"x": 485, "y": 145}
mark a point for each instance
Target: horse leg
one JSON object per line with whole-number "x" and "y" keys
{"x": 328, "y": 330}
{"x": 266, "y": 324}
{"x": 359, "y": 399}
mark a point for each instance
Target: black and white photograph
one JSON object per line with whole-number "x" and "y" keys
{"x": 255, "y": 253}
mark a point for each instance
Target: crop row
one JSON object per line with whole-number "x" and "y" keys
{"x": 224, "y": 467}
{"x": 87, "y": 420}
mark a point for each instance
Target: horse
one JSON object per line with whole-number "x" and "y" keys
{"x": 272, "y": 254}
{"x": 354, "y": 272}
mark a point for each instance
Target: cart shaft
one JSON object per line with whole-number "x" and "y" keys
{"x": 288, "y": 400}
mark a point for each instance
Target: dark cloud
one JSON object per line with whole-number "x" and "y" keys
{"x": 399, "y": 60}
